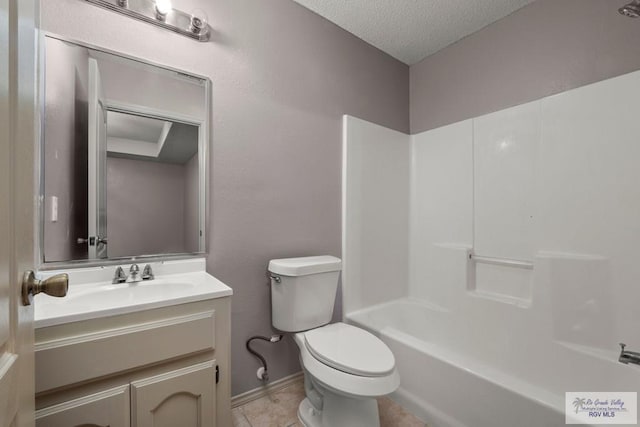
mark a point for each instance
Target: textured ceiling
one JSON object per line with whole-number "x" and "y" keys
{"x": 411, "y": 30}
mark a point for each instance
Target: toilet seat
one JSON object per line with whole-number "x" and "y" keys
{"x": 350, "y": 349}
{"x": 342, "y": 382}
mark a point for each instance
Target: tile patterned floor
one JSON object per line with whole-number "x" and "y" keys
{"x": 281, "y": 410}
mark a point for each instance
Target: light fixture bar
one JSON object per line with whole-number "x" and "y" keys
{"x": 175, "y": 20}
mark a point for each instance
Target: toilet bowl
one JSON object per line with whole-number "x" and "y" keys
{"x": 348, "y": 368}
{"x": 345, "y": 367}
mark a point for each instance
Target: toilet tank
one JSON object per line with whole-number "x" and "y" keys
{"x": 303, "y": 291}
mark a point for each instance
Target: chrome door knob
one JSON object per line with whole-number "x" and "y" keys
{"x": 55, "y": 286}
{"x": 92, "y": 241}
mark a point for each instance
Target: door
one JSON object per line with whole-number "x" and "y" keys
{"x": 185, "y": 397}
{"x": 97, "y": 167}
{"x": 17, "y": 208}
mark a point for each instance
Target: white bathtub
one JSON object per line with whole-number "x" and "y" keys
{"x": 448, "y": 384}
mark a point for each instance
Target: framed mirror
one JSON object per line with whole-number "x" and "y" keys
{"x": 124, "y": 156}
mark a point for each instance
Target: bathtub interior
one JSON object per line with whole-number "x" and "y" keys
{"x": 549, "y": 190}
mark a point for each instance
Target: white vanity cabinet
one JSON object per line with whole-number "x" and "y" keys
{"x": 162, "y": 367}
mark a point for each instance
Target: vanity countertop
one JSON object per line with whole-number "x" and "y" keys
{"x": 91, "y": 295}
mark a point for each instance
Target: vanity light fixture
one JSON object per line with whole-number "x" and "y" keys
{"x": 162, "y": 14}
{"x": 632, "y": 10}
{"x": 199, "y": 21}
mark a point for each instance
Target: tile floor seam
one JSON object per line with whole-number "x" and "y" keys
{"x": 245, "y": 418}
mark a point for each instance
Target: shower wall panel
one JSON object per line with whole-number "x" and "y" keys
{"x": 552, "y": 183}
{"x": 375, "y": 215}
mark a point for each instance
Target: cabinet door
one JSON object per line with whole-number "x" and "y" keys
{"x": 109, "y": 408}
{"x": 185, "y": 398}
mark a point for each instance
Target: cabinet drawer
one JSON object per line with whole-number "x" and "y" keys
{"x": 109, "y": 408}
{"x": 73, "y": 359}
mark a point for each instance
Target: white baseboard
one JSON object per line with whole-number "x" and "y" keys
{"x": 272, "y": 387}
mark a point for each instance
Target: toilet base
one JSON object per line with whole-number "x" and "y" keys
{"x": 340, "y": 411}
{"x": 307, "y": 415}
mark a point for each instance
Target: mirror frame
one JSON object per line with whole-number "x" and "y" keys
{"x": 204, "y": 140}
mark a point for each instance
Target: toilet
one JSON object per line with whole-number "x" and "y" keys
{"x": 345, "y": 367}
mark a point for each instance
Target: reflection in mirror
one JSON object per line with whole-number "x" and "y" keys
{"x": 124, "y": 149}
{"x": 157, "y": 160}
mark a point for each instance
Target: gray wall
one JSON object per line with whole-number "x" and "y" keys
{"x": 145, "y": 207}
{"x": 547, "y": 47}
{"x": 282, "y": 79}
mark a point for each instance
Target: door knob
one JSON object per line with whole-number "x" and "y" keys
{"x": 56, "y": 286}
{"x": 92, "y": 241}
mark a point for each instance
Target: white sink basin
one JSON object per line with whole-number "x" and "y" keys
{"x": 101, "y": 299}
{"x": 109, "y": 294}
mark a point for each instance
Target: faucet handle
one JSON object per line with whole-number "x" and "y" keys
{"x": 147, "y": 273}
{"x": 622, "y": 346}
{"x": 134, "y": 276}
{"x": 119, "y": 276}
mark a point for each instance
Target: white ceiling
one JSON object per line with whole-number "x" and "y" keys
{"x": 138, "y": 128}
{"x": 411, "y": 30}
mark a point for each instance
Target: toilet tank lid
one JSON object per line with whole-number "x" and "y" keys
{"x": 305, "y": 265}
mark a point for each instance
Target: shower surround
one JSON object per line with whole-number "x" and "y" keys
{"x": 497, "y": 256}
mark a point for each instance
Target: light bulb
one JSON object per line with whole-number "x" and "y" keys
{"x": 163, "y": 7}
{"x": 199, "y": 21}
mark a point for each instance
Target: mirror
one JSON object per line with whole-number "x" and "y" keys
{"x": 124, "y": 148}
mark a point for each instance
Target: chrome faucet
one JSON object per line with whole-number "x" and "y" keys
{"x": 134, "y": 277}
{"x": 119, "y": 276}
{"x": 627, "y": 357}
{"x": 147, "y": 273}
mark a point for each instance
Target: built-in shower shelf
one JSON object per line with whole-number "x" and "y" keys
{"x": 506, "y": 262}
{"x": 505, "y": 280}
